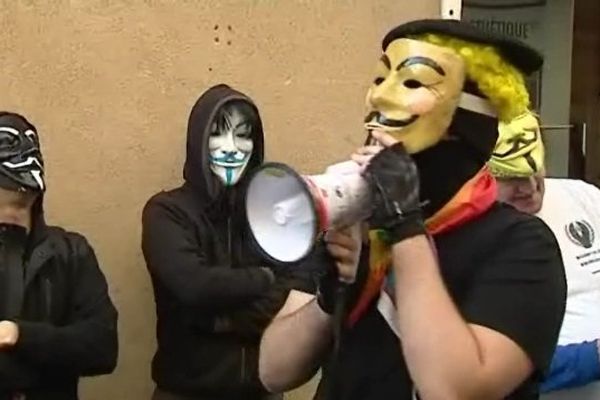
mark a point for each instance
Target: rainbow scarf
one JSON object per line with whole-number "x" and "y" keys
{"x": 473, "y": 199}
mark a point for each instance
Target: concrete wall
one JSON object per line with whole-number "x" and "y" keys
{"x": 109, "y": 85}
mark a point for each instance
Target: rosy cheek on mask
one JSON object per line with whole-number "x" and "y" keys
{"x": 421, "y": 102}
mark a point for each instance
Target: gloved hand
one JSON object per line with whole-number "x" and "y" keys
{"x": 393, "y": 179}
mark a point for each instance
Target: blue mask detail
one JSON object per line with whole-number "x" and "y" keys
{"x": 228, "y": 176}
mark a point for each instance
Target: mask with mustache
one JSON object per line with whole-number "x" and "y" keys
{"x": 230, "y": 142}
{"x": 416, "y": 90}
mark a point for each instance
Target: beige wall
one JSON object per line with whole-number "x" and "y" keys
{"x": 109, "y": 85}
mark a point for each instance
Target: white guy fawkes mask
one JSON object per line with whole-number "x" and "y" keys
{"x": 230, "y": 143}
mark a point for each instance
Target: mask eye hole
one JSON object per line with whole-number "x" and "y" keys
{"x": 7, "y": 140}
{"x": 412, "y": 84}
{"x": 214, "y": 129}
{"x": 378, "y": 80}
{"x": 244, "y": 131}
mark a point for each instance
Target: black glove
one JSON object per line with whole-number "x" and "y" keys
{"x": 393, "y": 179}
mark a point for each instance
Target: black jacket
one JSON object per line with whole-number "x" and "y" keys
{"x": 212, "y": 300}
{"x": 67, "y": 322}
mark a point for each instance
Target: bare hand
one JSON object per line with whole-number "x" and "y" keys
{"x": 363, "y": 155}
{"x": 9, "y": 334}
{"x": 344, "y": 246}
{"x": 384, "y": 139}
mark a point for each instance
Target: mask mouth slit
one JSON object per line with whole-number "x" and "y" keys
{"x": 375, "y": 119}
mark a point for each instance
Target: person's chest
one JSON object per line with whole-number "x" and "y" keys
{"x": 576, "y": 229}
{"x": 42, "y": 297}
{"x": 226, "y": 242}
{"x": 372, "y": 359}
{"x": 461, "y": 254}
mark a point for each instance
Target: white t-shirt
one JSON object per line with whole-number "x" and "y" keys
{"x": 571, "y": 209}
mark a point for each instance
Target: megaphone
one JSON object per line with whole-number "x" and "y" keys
{"x": 287, "y": 212}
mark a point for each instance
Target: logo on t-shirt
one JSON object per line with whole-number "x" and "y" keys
{"x": 581, "y": 233}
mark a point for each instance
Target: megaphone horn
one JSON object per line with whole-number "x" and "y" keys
{"x": 287, "y": 211}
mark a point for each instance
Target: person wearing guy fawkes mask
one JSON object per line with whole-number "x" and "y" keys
{"x": 57, "y": 322}
{"x": 453, "y": 295}
{"x": 214, "y": 294}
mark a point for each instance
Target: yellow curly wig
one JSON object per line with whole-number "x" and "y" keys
{"x": 499, "y": 80}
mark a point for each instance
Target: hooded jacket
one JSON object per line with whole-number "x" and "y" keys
{"x": 212, "y": 298}
{"x": 60, "y": 302}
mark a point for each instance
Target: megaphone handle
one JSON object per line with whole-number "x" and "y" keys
{"x": 338, "y": 319}
{"x": 339, "y": 314}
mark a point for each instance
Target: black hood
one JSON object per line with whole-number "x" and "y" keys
{"x": 196, "y": 171}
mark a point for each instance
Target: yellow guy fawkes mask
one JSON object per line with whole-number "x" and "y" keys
{"x": 415, "y": 92}
{"x": 519, "y": 151}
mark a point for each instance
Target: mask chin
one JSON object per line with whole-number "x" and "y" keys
{"x": 229, "y": 176}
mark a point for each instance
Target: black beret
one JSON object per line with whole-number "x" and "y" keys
{"x": 519, "y": 54}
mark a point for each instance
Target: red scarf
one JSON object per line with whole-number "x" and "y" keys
{"x": 474, "y": 198}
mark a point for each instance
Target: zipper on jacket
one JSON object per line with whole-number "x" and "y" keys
{"x": 48, "y": 299}
{"x": 229, "y": 244}
{"x": 243, "y": 366}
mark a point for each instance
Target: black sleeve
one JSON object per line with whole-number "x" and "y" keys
{"x": 87, "y": 343}
{"x": 15, "y": 374}
{"x": 176, "y": 259}
{"x": 305, "y": 275}
{"x": 250, "y": 321}
{"x": 520, "y": 290}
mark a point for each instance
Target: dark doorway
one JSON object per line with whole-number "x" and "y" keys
{"x": 584, "y": 143}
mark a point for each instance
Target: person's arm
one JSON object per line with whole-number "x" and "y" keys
{"x": 87, "y": 343}
{"x": 15, "y": 374}
{"x": 448, "y": 358}
{"x": 250, "y": 320}
{"x": 573, "y": 365}
{"x": 176, "y": 259}
{"x": 486, "y": 349}
{"x": 294, "y": 345}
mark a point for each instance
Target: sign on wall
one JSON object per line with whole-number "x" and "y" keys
{"x": 521, "y": 19}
